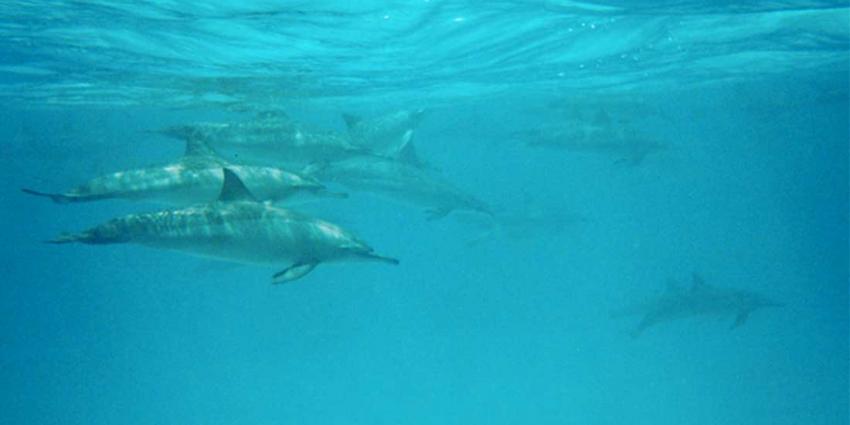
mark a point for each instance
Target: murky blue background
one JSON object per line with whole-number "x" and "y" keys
{"x": 753, "y": 194}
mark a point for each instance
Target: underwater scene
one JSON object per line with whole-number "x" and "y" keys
{"x": 425, "y": 212}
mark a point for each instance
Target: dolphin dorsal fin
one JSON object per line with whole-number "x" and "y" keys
{"x": 233, "y": 189}
{"x": 407, "y": 154}
{"x": 351, "y": 120}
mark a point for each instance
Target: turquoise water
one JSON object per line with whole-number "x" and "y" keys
{"x": 750, "y": 191}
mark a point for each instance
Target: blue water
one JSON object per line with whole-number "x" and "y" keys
{"x": 752, "y": 193}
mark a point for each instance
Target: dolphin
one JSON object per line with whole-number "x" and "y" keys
{"x": 196, "y": 178}
{"x": 270, "y": 139}
{"x": 389, "y": 135}
{"x": 236, "y": 228}
{"x": 698, "y": 300}
{"x": 399, "y": 181}
{"x": 525, "y": 224}
{"x": 597, "y": 136}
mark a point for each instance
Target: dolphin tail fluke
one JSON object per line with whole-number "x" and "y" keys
{"x": 55, "y": 197}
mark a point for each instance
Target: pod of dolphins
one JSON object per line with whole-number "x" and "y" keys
{"x": 230, "y": 209}
{"x": 225, "y": 210}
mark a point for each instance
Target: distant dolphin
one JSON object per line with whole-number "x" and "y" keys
{"x": 525, "y": 224}
{"x": 389, "y": 135}
{"x": 698, "y": 300}
{"x": 236, "y": 228}
{"x": 399, "y": 181}
{"x": 196, "y": 178}
{"x": 270, "y": 139}
{"x": 597, "y": 136}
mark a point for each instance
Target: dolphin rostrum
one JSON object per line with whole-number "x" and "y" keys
{"x": 236, "y": 228}
{"x": 196, "y": 178}
{"x": 700, "y": 299}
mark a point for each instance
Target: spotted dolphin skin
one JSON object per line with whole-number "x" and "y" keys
{"x": 236, "y": 228}
{"x": 700, "y": 299}
{"x": 196, "y": 178}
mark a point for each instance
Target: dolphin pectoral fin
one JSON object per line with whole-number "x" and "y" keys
{"x": 740, "y": 319}
{"x": 55, "y": 197}
{"x": 293, "y": 272}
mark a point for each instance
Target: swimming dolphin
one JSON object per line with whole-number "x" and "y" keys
{"x": 698, "y": 300}
{"x": 196, "y": 178}
{"x": 399, "y": 181}
{"x": 236, "y": 228}
{"x": 598, "y": 136}
{"x": 270, "y": 139}
{"x": 389, "y": 135}
{"x": 525, "y": 224}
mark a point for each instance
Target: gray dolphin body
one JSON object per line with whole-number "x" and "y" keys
{"x": 196, "y": 178}
{"x": 593, "y": 139}
{"x": 526, "y": 224}
{"x": 399, "y": 181}
{"x": 698, "y": 300}
{"x": 236, "y": 228}
{"x": 599, "y": 135}
{"x": 270, "y": 139}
